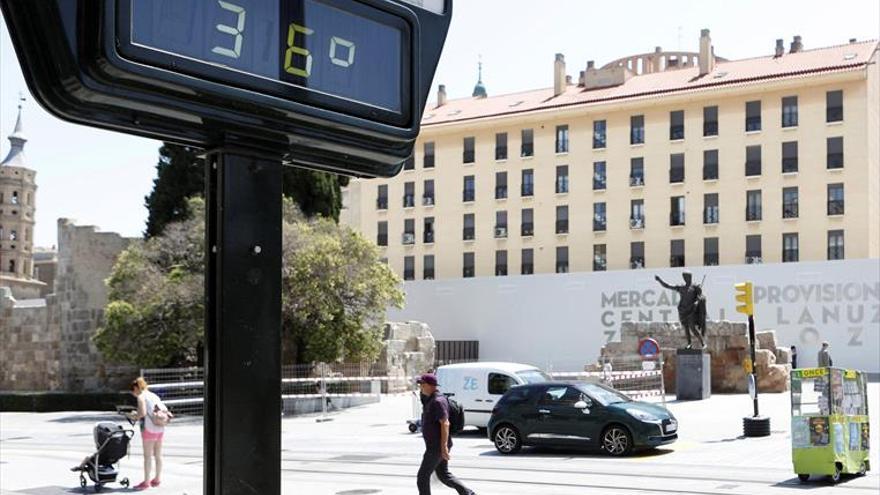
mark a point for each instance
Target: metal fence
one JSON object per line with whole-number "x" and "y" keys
{"x": 636, "y": 377}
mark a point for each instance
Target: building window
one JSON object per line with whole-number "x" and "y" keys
{"x": 467, "y": 269}
{"x": 637, "y": 214}
{"x": 562, "y": 259}
{"x": 11, "y": 266}
{"x": 676, "y": 168}
{"x": 710, "y": 165}
{"x": 790, "y": 111}
{"x": 409, "y": 194}
{"x": 429, "y": 230}
{"x": 409, "y": 231}
{"x": 468, "y": 153}
{"x": 562, "y": 219}
{"x": 467, "y": 232}
{"x": 561, "y": 179}
{"x": 409, "y": 164}
{"x": 637, "y": 129}
{"x": 599, "y": 137}
{"x": 789, "y": 157}
{"x": 636, "y": 255}
{"x": 835, "y": 244}
{"x": 501, "y": 146}
{"x": 468, "y": 192}
{"x": 409, "y": 267}
{"x": 753, "y": 250}
{"x": 500, "y": 263}
{"x": 428, "y": 160}
{"x": 711, "y": 212}
{"x": 834, "y": 152}
{"x": 789, "y": 202}
{"x": 382, "y": 233}
{"x": 599, "y": 220}
{"x": 676, "y": 125}
{"x": 428, "y": 196}
{"x": 636, "y": 172}
{"x": 500, "y": 185}
{"x": 527, "y": 265}
{"x": 753, "y": 116}
{"x": 600, "y": 258}
{"x": 835, "y": 199}
{"x": 428, "y": 267}
{"x": 562, "y": 139}
{"x": 500, "y": 224}
{"x": 789, "y": 247}
{"x": 599, "y": 177}
{"x": 710, "y": 251}
{"x": 753, "y": 205}
{"x": 14, "y": 198}
{"x": 382, "y": 197}
{"x": 753, "y": 160}
{"x": 710, "y": 121}
{"x": 528, "y": 182}
{"x": 676, "y": 253}
{"x": 527, "y": 147}
{"x": 527, "y": 228}
{"x": 834, "y": 106}
{"x": 676, "y": 210}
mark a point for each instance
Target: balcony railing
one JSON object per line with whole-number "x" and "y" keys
{"x": 637, "y": 135}
{"x": 753, "y": 213}
{"x": 676, "y": 175}
{"x": 711, "y": 214}
{"x": 754, "y": 258}
{"x": 429, "y": 161}
{"x": 561, "y": 185}
{"x": 562, "y": 226}
{"x": 409, "y": 200}
{"x": 636, "y": 180}
{"x": 500, "y": 231}
{"x": 789, "y": 255}
{"x": 637, "y": 222}
{"x": 500, "y": 270}
{"x": 710, "y": 128}
{"x": 710, "y": 172}
{"x": 835, "y": 160}
{"x": 527, "y": 190}
{"x": 753, "y": 124}
{"x": 676, "y": 132}
{"x": 501, "y": 192}
{"x": 382, "y": 203}
{"x": 599, "y": 182}
{"x": 409, "y": 238}
{"x": 676, "y": 260}
{"x": 501, "y": 152}
{"x": 467, "y": 272}
{"x": 753, "y": 167}
{"x": 467, "y": 195}
{"x": 676, "y": 219}
{"x": 428, "y": 274}
{"x": 835, "y": 207}
{"x": 382, "y": 240}
{"x": 562, "y": 267}
{"x": 600, "y": 264}
{"x": 409, "y": 275}
{"x": 467, "y": 233}
{"x": 637, "y": 262}
{"x": 428, "y": 200}
{"x": 429, "y": 236}
{"x": 527, "y": 149}
{"x": 527, "y": 229}
{"x": 599, "y": 224}
{"x": 833, "y": 114}
{"x": 790, "y": 211}
{"x": 789, "y": 165}
{"x": 710, "y": 259}
{"x": 562, "y": 146}
{"x": 527, "y": 268}
{"x": 467, "y": 157}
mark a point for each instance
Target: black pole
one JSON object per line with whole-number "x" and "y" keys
{"x": 754, "y": 365}
{"x": 242, "y": 413}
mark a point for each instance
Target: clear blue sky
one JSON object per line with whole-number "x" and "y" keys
{"x": 100, "y": 178}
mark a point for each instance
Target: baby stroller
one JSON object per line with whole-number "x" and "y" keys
{"x": 112, "y": 441}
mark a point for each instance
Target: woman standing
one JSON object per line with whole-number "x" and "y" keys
{"x": 151, "y": 433}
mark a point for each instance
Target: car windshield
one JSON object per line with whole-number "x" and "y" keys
{"x": 533, "y": 376}
{"x": 602, "y": 394}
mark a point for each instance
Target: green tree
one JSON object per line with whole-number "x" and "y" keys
{"x": 334, "y": 294}
{"x": 180, "y": 174}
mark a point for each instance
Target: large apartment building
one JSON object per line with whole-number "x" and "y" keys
{"x": 653, "y": 160}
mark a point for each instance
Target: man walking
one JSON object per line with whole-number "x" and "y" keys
{"x": 825, "y": 355}
{"x": 438, "y": 441}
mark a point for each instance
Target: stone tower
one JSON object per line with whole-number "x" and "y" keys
{"x": 17, "y": 199}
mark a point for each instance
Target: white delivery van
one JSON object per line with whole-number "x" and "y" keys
{"x": 479, "y": 386}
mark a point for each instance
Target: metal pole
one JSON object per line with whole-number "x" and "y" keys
{"x": 242, "y": 432}
{"x": 754, "y": 365}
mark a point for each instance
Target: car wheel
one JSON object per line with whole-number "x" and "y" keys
{"x": 804, "y": 477}
{"x": 507, "y": 440}
{"x": 863, "y": 468}
{"x": 413, "y": 428}
{"x": 835, "y": 477}
{"x": 617, "y": 441}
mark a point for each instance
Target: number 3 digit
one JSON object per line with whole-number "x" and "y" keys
{"x": 293, "y": 49}
{"x": 235, "y": 31}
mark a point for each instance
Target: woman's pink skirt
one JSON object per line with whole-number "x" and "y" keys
{"x": 151, "y": 436}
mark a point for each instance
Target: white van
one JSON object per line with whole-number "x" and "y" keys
{"x": 478, "y": 386}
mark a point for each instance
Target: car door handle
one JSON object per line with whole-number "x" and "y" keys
{"x": 488, "y": 400}
{"x": 544, "y": 411}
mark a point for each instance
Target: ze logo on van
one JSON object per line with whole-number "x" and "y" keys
{"x": 470, "y": 383}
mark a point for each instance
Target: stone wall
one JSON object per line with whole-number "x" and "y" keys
{"x": 29, "y": 345}
{"x": 728, "y": 344}
{"x": 408, "y": 350}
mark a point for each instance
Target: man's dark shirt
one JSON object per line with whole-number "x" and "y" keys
{"x": 435, "y": 408}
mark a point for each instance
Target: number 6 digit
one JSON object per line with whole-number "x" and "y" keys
{"x": 235, "y": 31}
{"x": 292, "y": 50}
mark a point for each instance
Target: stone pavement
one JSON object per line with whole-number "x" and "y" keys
{"x": 367, "y": 450}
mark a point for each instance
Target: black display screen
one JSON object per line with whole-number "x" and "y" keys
{"x": 341, "y": 49}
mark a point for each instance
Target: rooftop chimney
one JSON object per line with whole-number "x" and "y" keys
{"x": 796, "y": 45}
{"x": 852, "y": 40}
{"x": 559, "y": 75}
{"x": 655, "y": 60}
{"x": 590, "y": 64}
{"x": 567, "y": 80}
{"x": 780, "y": 48}
{"x": 707, "y": 56}
{"x": 441, "y": 95}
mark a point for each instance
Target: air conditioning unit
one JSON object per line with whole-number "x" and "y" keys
{"x": 636, "y": 181}
{"x": 754, "y": 260}
{"x": 409, "y": 238}
{"x": 428, "y": 200}
{"x": 500, "y": 231}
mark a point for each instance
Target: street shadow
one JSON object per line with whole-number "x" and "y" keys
{"x": 815, "y": 482}
{"x": 62, "y": 490}
{"x": 91, "y": 418}
{"x": 572, "y": 453}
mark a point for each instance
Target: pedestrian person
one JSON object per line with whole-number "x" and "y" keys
{"x": 438, "y": 440}
{"x": 825, "y": 355}
{"x": 149, "y": 407}
{"x": 793, "y": 357}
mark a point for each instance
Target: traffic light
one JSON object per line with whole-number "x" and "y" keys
{"x": 744, "y": 298}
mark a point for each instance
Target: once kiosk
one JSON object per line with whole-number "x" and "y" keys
{"x": 337, "y": 85}
{"x": 829, "y": 422}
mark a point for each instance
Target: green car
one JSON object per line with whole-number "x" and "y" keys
{"x": 578, "y": 415}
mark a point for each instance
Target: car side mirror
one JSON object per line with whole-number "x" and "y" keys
{"x": 581, "y": 405}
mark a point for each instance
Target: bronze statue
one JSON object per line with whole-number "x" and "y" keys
{"x": 691, "y": 308}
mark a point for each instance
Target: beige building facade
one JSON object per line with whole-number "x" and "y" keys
{"x": 656, "y": 160}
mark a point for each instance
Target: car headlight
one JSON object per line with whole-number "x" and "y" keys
{"x": 644, "y": 416}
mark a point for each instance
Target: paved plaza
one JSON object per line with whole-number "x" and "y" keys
{"x": 367, "y": 450}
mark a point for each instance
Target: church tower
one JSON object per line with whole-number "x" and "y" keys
{"x": 17, "y": 206}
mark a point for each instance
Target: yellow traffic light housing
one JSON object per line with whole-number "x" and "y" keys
{"x": 744, "y": 298}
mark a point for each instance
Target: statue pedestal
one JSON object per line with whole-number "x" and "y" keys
{"x": 693, "y": 370}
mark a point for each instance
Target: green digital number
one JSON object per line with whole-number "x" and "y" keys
{"x": 236, "y": 31}
{"x": 293, "y": 49}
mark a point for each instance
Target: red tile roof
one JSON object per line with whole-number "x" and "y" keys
{"x": 842, "y": 58}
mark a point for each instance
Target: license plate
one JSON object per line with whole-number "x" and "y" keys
{"x": 672, "y": 426}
